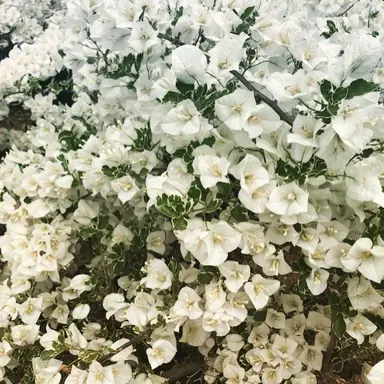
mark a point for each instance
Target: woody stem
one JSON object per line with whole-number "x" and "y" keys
{"x": 261, "y": 97}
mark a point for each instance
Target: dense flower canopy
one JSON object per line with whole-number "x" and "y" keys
{"x": 200, "y": 184}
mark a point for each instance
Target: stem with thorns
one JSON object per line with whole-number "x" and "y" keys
{"x": 261, "y": 97}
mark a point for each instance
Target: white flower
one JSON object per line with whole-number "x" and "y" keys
{"x": 271, "y": 376}
{"x": 233, "y": 373}
{"x": 156, "y": 242}
{"x": 77, "y": 376}
{"x": 193, "y": 333}
{"x": 284, "y": 347}
{"x": 158, "y": 275}
{"x": 260, "y": 289}
{"x": 113, "y": 303}
{"x": 312, "y": 357}
{"x": 211, "y": 169}
{"x": 124, "y": 354}
{"x": 380, "y": 343}
{"x": 183, "y": 119}
{"x": 122, "y": 373}
{"x": 162, "y": 352}
{"x": 235, "y": 109}
{"x": 4, "y": 349}
{"x": 217, "y": 322}
{"x": 81, "y": 311}
{"x": 75, "y": 339}
{"x": 189, "y": 64}
{"x": 99, "y": 374}
{"x": 142, "y": 37}
{"x": 275, "y": 265}
{"x": 125, "y": 187}
{"x": 263, "y": 119}
{"x": 362, "y": 295}
{"x": 235, "y": 274}
{"x": 47, "y": 372}
{"x": 219, "y": 240}
{"x": 358, "y": 327}
{"x": 122, "y": 235}
{"x": 61, "y": 313}
{"x": 250, "y": 173}
{"x": 24, "y": 334}
{"x": 48, "y": 338}
{"x": 234, "y": 342}
{"x": 332, "y": 232}
{"x": 291, "y": 303}
{"x": 376, "y": 374}
{"x": 317, "y": 281}
{"x": 303, "y": 139}
{"x": 30, "y": 310}
{"x": 38, "y": 208}
{"x": 367, "y": 259}
{"x": 215, "y": 296}
{"x": 288, "y": 200}
{"x": 275, "y": 319}
{"x": 187, "y": 304}
{"x": 86, "y": 211}
{"x": 295, "y": 325}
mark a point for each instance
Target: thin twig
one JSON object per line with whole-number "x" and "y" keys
{"x": 136, "y": 339}
{"x": 261, "y": 97}
{"x": 170, "y": 39}
{"x": 332, "y": 342}
{"x": 344, "y": 12}
{"x": 184, "y": 370}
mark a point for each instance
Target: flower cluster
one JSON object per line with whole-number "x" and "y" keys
{"x": 199, "y": 192}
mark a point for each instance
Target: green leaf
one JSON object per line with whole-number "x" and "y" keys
{"x": 360, "y": 87}
{"x": 64, "y": 162}
{"x": 303, "y": 283}
{"x": 179, "y": 223}
{"x": 352, "y": 313}
{"x": 336, "y": 304}
{"x": 173, "y": 97}
{"x": 327, "y": 89}
{"x": 178, "y": 14}
{"x": 103, "y": 222}
{"x": 204, "y": 278}
{"x": 194, "y": 192}
{"x": 332, "y": 29}
{"x": 340, "y": 94}
{"x": 213, "y": 205}
{"x": 339, "y": 327}
{"x": 185, "y": 88}
{"x": 247, "y": 13}
{"x": 209, "y": 141}
{"x": 86, "y": 233}
{"x": 225, "y": 190}
{"x": 45, "y": 355}
{"x": 107, "y": 171}
{"x": 260, "y": 315}
{"x": 168, "y": 211}
{"x": 239, "y": 213}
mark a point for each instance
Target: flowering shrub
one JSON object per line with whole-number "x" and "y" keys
{"x": 200, "y": 192}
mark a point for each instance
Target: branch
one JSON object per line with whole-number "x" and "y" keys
{"x": 332, "y": 342}
{"x": 346, "y": 11}
{"x": 170, "y": 39}
{"x": 185, "y": 370}
{"x": 126, "y": 345}
{"x": 261, "y": 97}
{"x": 67, "y": 368}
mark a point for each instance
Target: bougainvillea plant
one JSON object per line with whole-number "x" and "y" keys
{"x": 199, "y": 194}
